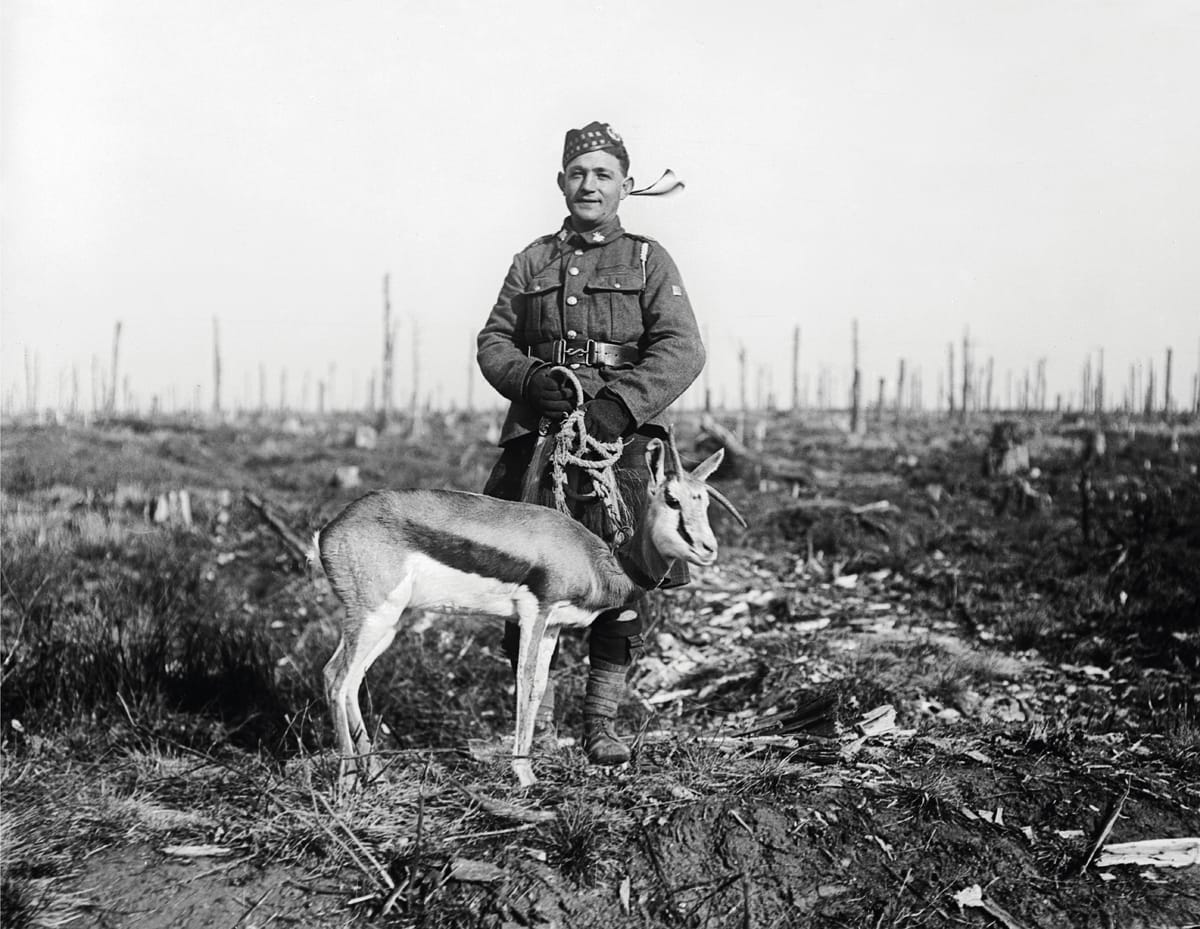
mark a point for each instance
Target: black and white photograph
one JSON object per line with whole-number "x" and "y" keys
{"x": 620, "y": 465}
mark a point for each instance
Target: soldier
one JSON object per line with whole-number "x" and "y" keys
{"x": 611, "y": 306}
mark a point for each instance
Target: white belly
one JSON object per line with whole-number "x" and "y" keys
{"x": 442, "y": 589}
{"x": 439, "y": 587}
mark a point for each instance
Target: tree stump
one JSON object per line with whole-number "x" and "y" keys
{"x": 1006, "y": 453}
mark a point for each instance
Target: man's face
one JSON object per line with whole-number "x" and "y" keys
{"x": 593, "y": 186}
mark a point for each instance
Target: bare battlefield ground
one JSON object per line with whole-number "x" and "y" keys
{"x": 904, "y": 680}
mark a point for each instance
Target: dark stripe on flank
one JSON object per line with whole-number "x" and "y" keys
{"x": 476, "y": 558}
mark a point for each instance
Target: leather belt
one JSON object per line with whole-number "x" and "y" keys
{"x": 584, "y": 351}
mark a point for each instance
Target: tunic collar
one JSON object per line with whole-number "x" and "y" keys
{"x": 601, "y": 235}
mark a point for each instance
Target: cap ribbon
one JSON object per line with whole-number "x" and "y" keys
{"x": 667, "y": 184}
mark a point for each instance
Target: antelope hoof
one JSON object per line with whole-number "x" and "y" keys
{"x": 358, "y": 772}
{"x": 523, "y": 769}
{"x": 348, "y": 782}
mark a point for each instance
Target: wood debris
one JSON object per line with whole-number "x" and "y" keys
{"x": 502, "y": 810}
{"x": 739, "y": 456}
{"x": 1163, "y": 853}
{"x": 973, "y": 897}
{"x": 296, "y": 546}
{"x": 475, "y": 872}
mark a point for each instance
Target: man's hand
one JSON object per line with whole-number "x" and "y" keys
{"x": 550, "y": 394}
{"x": 606, "y": 419}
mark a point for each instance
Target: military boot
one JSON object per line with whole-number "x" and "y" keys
{"x": 605, "y": 688}
{"x": 545, "y": 733}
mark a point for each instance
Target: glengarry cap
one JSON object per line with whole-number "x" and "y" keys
{"x": 594, "y": 137}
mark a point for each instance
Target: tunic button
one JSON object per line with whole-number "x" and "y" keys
{"x": 579, "y": 251}
{"x": 574, "y": 366}
{"x": 617, "y": 284}
{"x": 572, "y": 271}
{"x": 571, "y": 301}
{"x": 571, "y": 333}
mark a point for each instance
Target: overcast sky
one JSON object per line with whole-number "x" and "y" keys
{"x": 1024, "y": 169}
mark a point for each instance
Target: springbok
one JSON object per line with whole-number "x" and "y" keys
{"x": 456, "y": 552}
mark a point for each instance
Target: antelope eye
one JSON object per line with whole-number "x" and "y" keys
{"x": 671, "y": 500}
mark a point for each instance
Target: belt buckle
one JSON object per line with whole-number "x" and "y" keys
{"x": 584, "y": 353}
{"x": 559, "y": 351}
{"x": 589, "y": 352}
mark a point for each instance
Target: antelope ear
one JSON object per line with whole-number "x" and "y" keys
{"x": 705, "y": 469}
{"x": 656, "y": 460}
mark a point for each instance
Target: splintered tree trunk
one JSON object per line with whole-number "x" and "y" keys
{"x": 856, "y": 423}
{"x": 112, "y": 384}
{"x": 743, "y": 397}
{"x": 742, "y": 400}
{"x": 216, "y": 406}
{"x": 900, "y": 391}
{"x": 31, "y": 382}
{"x": 741, "y": 393}
{"x": 966, "y": 376}
{"x": 417, "y": 429}
{"x": 1167, "y": 386}
{"x": 1099, "y": 404}
{"x": 389, "y": 344}
{"x": 950, "y": 378}
{"x": 795, "y": 369}
{"x": 987, "y": 398}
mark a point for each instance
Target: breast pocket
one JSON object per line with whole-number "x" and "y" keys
{"x": 539, "y": 318}
{"x": 616, "y": 304}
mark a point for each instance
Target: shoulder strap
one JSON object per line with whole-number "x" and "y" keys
{"x": 540, "y": 240}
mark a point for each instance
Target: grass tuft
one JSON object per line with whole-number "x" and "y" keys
{"x": 16, "y": 902}
{"x": 120, "y": 633}
{"x": 578, "y": 839}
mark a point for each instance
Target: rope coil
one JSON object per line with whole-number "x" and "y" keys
{"x": 574, "y": 447}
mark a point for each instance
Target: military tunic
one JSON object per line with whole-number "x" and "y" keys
{"x": 613, "y": 287}
{"x": 609, "y": 286}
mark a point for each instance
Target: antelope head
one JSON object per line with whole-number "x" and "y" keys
{"x": 676, "y": 521}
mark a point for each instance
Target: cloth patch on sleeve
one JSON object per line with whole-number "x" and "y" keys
{"x": 676, "y": 290}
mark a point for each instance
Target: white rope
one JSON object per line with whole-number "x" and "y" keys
{"x": 574, "y": 447}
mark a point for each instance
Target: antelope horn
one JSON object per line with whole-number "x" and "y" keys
{"x": 676, "y": 464}
{"x": 721, "y": 499}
